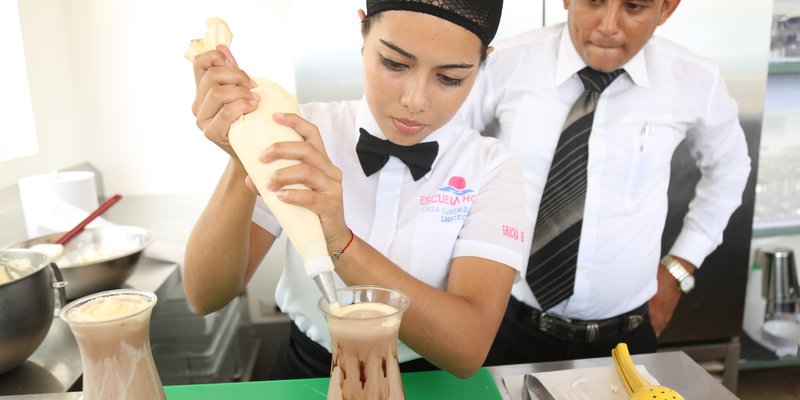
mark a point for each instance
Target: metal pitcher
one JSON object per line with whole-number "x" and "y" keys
{"x": 779, "y": 285}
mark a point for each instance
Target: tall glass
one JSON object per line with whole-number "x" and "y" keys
{"x": 112, "y": 329}
{"x": 364, "y": 341}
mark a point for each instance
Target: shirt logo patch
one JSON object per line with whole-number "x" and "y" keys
{"x": 451, "y": 203}
{"x": 457, "y": 185}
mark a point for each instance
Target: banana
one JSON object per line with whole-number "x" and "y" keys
{"x": 217, "y": 33}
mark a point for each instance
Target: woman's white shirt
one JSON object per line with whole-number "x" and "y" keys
{"x": 471, "y": 203}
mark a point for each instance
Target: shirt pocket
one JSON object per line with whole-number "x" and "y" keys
{"x": 651, "y": 152}
{"x": 432, "y": 250}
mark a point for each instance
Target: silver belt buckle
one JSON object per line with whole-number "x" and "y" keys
{"x": 634, "y": 321}
{"x": 592, "y": 332}
{"x": 545, "y": 320}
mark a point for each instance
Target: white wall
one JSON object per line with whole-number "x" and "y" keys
{"x": 715, "y": 29}
{"x": 109, "y": 85}
{"x": 50, "y": 73}
{"x": 723, "y": 32}
{"x": 137, "y": 113}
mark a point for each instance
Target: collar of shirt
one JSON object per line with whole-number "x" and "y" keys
{"x": 569, "y": 62}
{"x": 365, "y": 119}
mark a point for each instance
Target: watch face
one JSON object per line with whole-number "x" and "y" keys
{"x": 687, "y": 284}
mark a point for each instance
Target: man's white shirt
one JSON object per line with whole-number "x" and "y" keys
{"x": 667, "y": 95}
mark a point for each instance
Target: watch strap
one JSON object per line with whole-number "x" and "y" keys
{"x": 677, "y": 270}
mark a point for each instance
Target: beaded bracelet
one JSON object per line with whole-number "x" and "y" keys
{"x": 335, "y": 255}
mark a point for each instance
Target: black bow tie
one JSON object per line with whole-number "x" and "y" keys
{"x": 373, "y": 153}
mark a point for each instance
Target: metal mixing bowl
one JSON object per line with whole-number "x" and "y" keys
{"x": 27, "y": 304}
{"x": 98, "y": 258}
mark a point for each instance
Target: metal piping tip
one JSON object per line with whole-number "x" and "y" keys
{"x": 324, "y": 281}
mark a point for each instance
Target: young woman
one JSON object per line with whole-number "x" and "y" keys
{"x": 452, "y": 235}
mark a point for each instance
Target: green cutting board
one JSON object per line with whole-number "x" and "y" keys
{"x": 433, "y": 385}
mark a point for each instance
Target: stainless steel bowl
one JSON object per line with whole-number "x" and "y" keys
{"x": 97, "y": 259}
{"x": 27, "y": 304}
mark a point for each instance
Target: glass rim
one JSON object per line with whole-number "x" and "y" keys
{"x": 153, "y": 299}
{"x": 324, "y": 308}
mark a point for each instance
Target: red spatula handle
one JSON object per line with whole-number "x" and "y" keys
{"x": 96, "y": 213}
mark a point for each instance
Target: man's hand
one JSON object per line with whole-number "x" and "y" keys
{"x": 663, "y": 303}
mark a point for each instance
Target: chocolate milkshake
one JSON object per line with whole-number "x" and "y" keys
{"x": 364, "y": 340}
{"x": 112, "y": 329}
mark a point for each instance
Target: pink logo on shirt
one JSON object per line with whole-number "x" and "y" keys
{"x": 455, "y": 193}
{"x": 457, "y": 186}
{"x": 450, "y": 203}
{"x": 512, "y": 232}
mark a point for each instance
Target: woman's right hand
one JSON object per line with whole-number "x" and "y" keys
{"x": 223, "y": 95}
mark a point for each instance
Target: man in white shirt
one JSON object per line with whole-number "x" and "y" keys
{"x": 659, "y": 95}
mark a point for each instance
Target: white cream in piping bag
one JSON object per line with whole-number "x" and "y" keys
{"x": 250, "y": 135}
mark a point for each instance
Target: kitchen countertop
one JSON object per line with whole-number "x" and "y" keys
{"x": 672, "y": 369}
{"x": 56, "y": 366}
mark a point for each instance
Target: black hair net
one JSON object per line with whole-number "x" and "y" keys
{"x": 481, "y": 17}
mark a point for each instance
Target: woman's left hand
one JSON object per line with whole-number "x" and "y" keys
{"x": 316, "y": 171}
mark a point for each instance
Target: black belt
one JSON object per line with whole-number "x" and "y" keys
{"x": 577, "y": 330}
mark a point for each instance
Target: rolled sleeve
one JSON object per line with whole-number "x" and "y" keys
{"x": 499, "y": 227}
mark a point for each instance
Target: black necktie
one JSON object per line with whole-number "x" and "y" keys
{"x": 554, "y": 254}
{"x": 373, "y": 153}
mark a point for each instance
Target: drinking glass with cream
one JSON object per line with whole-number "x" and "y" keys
{"x": 364, "y": 340}
{"x": 112, "y": 329}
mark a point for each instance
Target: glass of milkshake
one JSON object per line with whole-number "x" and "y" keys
{"x": 112, "y": 329}
{"x": 364, "y": 333}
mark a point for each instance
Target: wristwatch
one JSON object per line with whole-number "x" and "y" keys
{"x": 684, "y": 278}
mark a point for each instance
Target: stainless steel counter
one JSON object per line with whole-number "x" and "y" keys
{"x": 56, "y": 365}
{"x": 672, "y": 369}
{"x": 53, "y": 367}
